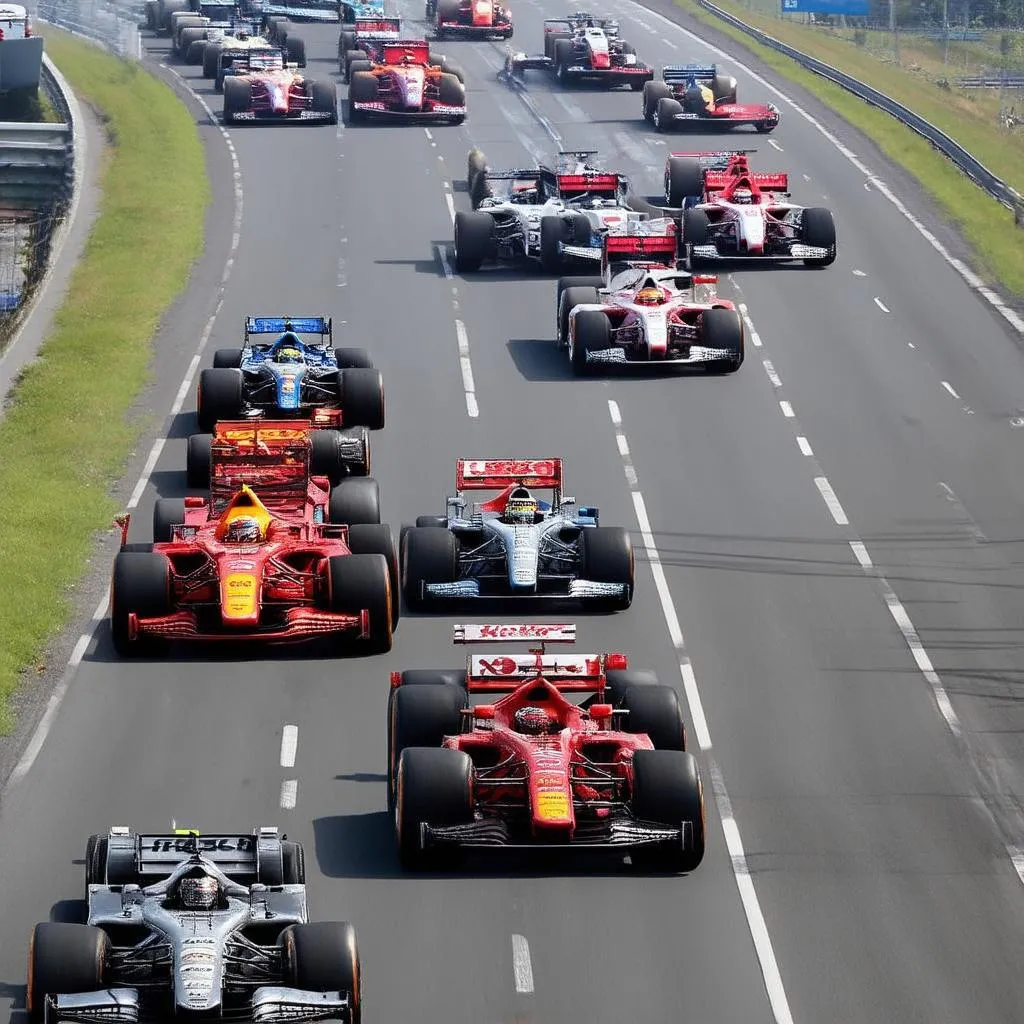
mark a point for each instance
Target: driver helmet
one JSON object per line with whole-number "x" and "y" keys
{"x": 288, "y": 354}
{"x": 743, "y": 196}
{"x": 650, "y": 297}
{"x": 521, "y": 507}
{"x": 532, "y": 721}
{"x": 201, "y": 893}
{"x": 243, "y": 530}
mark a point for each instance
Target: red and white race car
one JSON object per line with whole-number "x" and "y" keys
{"x": 646, "y": 309}
{"x": 260, "y": 87}
{"x": 478, "y": 19}
{"x": 407, "y": 85}
{"x": 730, "y": 212}
{"x": 531, "y": 768}
{"x": 696, "y": 97}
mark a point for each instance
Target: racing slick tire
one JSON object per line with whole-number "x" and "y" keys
{"x": 568, "y": 299}
{"x": 550, "y": 39}
{"x": 100, "y": 870}
{"x": 434, "y": 677}
{"x": 571, "y": 230}
{"x": 618, "y": 680}
{"x": 683, "y": 178}
{"x": 164, "y": 10}
{"x": 451, "y": 91}
{"x": 664, "y": 110}
{"x": 151, "y": 15}
{"x": 444, "y": 10}
{"x": 324, "y": 98}
{"x": 362, "y": 88}
{"x": 211, "y": 60}
{"x": 296, "y": 50}
{"x": 322, "y": 956}
{"x": 220, "y": 396}
{"x": 653, "y": 92}
{"x": 237, "y": 98}
{"x": 362, "y": 397}
{"x": 348, "y": 61}
{"x": 563, "y": 60}
{"x": 353, "y": 359}
{"x": 421, "y": 716}
{"x": 227, "y": 358}
{"x": 696, "y": 231}
{"x": 361, "y": 64}
{"x": 723, "y": 329}
{"x": 167, "y": 513}
{"x": 429, "y": 555}
{"x": 358, "y": 582}
{"x": 474, "y": 240}
{"x": 433, "y": 786}
{"x": 63, "y": 958}
{"x": 818, "y": 228}
{"x": 592, "y": 333}
{"x": 140, "y": 583}
{"x": 276, "y": 29}
{"x": 346, "y": 42}
{"x": 187, "y": 37}
{"x": 325, "y": 457}
{"x": 476, "y": 164}
{"x": 449, "y": 67}
{"x": 198, "y": 456}
{"x": 355, "y": 502}
{"x": 667, "y": 790}
{"x": 606, "y": 554}
{"x": 655, "y": 711}
{"x": 293, "y": 863}
{"x": 723, "y": 88}
{"x": 441, "y": 521}
{"x": 195, "y": 47}
{"x": 377, "y": 539}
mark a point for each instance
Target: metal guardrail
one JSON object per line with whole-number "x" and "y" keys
{"x": 1001, "y": 81}
{"x": 114, "y": 24}
{"x": 970, "y": 165}
{"x": 36, "y": 163}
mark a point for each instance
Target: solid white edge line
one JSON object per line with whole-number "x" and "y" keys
{"x": 289, "y": 745}
{"x": 442, "y": 256}
{"x": 970, "y": 278}
{"x": 466, "y": 369}
{"x": 831, "y": 501}
{"x": 881, "y": 305}
{"x": 451, "y": 205}
{"x": 522, "y": 967}
{"x": 42, "y": 730}
{"x": 289, "y": 794}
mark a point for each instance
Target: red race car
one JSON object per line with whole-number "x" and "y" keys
{"x": 260, "y": 87}
{"x": 407, "y": 85}
{"x": 532, "y": 769}
{"x": 273, "y": 554}
{"x": 695, "y": 96}
{"x": 480, "y": 19}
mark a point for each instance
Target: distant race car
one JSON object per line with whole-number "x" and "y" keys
{"x": 217, "y": 22}
{"x": 695, "y": 96}
{"x": 363, "y": 45}
{"x": 555, "y": 214}
{"x": 259, "y": 86}
{"x": 532, "y": 769}
{"x": 477, "y": 19}
{"x": 200, "y": 926}
{"x": 405, "y": 85}
{"x": 334, "y": 387}
{"x": 222, "y": 55}
{"x": 354, "y": 10}
{"x": 734, "y": 213}
{"x": 283, "y": 11}
{"x": 646, "y": 310}
{"x": 515, "y": 545}
{"x": 274, "y": 554}
{"x": 582, "y": 48}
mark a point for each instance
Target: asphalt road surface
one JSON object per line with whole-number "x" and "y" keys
{"x": 835, "y": 531}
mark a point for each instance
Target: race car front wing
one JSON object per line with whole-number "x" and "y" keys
{"x": 439, "y": 111}
{"x": 578, "y": 590}
{"x": 697, "y": 355}
{"x": 798, "y": 251}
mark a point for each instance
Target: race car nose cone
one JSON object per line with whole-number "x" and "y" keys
{"x": 279, "y": 100}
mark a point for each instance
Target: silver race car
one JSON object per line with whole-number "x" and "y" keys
{"x": 183, "y": 924}
{"x": 515, "y": 545}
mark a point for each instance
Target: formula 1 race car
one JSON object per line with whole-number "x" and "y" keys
{"x": 535, "y": 770}
{"x": 222, "y": 48}
{"x": 183, "y": 925}
{"x": 695, "y": 96}
{"x": 335, "y": 387}
{"x": 259, "y": 86}
{"x": 582, "y": 48}
{"x": 475, "y": 19}
{"x": 555, "y": 214}
{"x": 274, "y": 554}
{"x": 644, "y": 309}
{"x": 207, "y": 20}
{"x": 733, "y": 213}
{"x": 405, "y": 85}
{"x": 360, "y": 47}
{"x": 353, "y": 10}
{"x": 514, "y": 545}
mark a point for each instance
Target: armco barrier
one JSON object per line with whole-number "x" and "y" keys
{"x": 970, "y": 165}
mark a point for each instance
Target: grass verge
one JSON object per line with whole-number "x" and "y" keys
{"x": 32, "y": 107}
{"x": 986, "y": 225}
{"x": 66, "y": 434}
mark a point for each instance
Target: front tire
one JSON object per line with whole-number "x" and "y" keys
{"x": 63, "y": 959}
{"x": 607, "y": 557}
{"x": 433, "y": 786}
{"x": 429, "y": 555}
{"x": 668, "y": 790}
{"x": 358, "y": 582}
{"x": 474, "y": 240}
{"x": 322, "y": 956}
{"x": 140, "y": 583}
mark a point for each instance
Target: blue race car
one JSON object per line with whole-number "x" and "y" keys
{"x": 289, "y": 377}
{"x": 356, "y": 10}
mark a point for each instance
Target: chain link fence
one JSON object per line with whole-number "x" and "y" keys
{"x": 112, "y": 23}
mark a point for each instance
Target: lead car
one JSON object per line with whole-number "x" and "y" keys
{"x": 209, "y": 926}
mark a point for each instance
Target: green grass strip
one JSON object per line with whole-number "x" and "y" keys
{"x": 66, "y": 437}
{"x": 987, "y": 226}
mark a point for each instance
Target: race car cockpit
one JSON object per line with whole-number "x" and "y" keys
{"x": 287, "y": 349}
{"x": 698, "y": 99}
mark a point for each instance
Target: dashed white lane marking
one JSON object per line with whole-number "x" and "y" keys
{"x": 522, "y": 968}
{"x": 860, "y": 552}
{"x": 950, "y": 389}
{"x": 859, "y": 273}
{"x": 804, "y": 445}
{"x": 772, "y": 375}
{"x": 755, "y": 338}
{"x": 787, "y": 409}
{"x": 734, "y": 844}
{"x": 831, "y": 501}
{"x": 426, "y": 131}
{"x": 468, "y": 384}
{"x": 289, "y": 745}
{"x": 442, "y": 256}
{"x": 42, "y": 730}
{"x": 289, "y": 794}
{"x": 881, "y": 305}
{"x": 971, "y": 525}
{"x": 449, "y": 199}
{"x": 970, "y": 278}
{"x": 775, "y": 145}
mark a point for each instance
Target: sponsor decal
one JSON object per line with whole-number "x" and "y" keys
{"x": 239, "y": 593}
{"x": 265, "y": 434}
{"x": 476, "y": 468}
{"x": 551, "y": 806}
{"x": 184, "y": 845}
{"x": 536, "y": 631}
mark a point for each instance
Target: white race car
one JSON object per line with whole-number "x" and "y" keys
{"x": 645, "y": 309}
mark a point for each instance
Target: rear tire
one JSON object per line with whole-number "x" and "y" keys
{"x": 322, "y": 956}
{"x": 141, "y": 583}
{"x": 63, "y": 959}
{"x": 655, "y": 712}
{"x": 167, "y": 513}
{"x": 429, "y": 555}
{"x": 358, "y": 582}
{"x": 227, "y": 359}
{"x": 683, "y": 178}
{"x": 377, "y": 539}
{"x": 619, "y": 680}
{"x": 362, "y": 397}
{"x": 667, "y": 790}
{"x": 433, "y": 787}
{"x": 353, "y": 359}
{"x": 355, "y": 502}
{"x": 220, "y": 397}
{"x": 296, "y": 50}
{"x": 211, "y": 60}
{"x": 198, "y": 458}
{"x": 293, "y": 863}
{"x": 474, "y": 240}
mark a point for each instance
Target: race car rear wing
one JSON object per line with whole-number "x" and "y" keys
{"x": 594, "y": 183}
{"x": 279, "y": 324}
{"x": 377, "y": 28}
{"x": 417, "y": 50}
{"x": 659, "y": 249}
{"x": 271, "y": 456}
{"x": 493, "y": 474}
{"x": 715, "y": 181}
{"x": 674, "y": 74}
{"x": 713, "y": 158}
{"x": 307, "y": 10}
